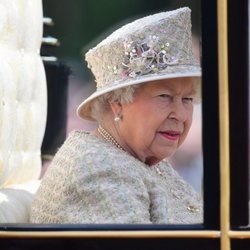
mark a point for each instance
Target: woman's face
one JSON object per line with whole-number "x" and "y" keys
{"x": 157, "y": 122}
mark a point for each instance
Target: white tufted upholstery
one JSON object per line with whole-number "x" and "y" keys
{"x": 23, "y": 104}
{"x": 15, "y": 202}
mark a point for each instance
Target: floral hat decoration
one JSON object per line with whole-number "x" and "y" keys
{"x": 151, "y": 48}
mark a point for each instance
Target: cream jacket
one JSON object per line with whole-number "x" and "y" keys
{"x": 92, "y": 181}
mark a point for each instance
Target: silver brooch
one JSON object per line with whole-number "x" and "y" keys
{"x": 148, "y": 55}
{"x": 193, "y": 209}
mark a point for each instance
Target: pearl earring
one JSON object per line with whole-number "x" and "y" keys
{"x": 117, "y": 119}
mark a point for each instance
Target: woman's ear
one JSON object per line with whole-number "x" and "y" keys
{"x": 116, "y": 108}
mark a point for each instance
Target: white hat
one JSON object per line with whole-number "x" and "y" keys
{"x": 151, "y": 48}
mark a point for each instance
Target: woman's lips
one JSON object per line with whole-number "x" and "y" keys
{"x": 171, "y": 135}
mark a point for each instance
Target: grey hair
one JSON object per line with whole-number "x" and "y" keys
{"x": 101, "y": 105}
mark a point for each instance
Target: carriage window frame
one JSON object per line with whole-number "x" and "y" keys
{"x": 238, "y": 45}
{"x": 215, "y": 232}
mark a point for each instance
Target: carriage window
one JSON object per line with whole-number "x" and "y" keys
{"x": 69, "y": 82}
{"x": 221, "y": 176}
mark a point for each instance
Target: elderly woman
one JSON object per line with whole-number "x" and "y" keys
{"x": 147, "y": 80}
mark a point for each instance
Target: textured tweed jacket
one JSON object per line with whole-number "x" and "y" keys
{"x": 92, "y": 181}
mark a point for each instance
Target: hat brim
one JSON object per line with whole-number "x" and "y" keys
{"x": 84, "y": 109}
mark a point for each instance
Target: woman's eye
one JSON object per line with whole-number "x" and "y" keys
{"x": 187, "y": 99}
{"x": 166, "y": 96}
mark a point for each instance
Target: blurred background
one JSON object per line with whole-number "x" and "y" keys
{"x": 81, "y": 24}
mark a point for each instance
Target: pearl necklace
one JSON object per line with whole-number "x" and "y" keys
{"x": 107, "y": 136}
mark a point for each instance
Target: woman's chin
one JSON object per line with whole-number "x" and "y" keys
{"x": 165, "y": 148}
{"x": 159, "y": 156}
{"x": 167, "y": 153}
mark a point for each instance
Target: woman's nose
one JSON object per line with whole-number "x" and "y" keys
{"x": 178, "y": 110}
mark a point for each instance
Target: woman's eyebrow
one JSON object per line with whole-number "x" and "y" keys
{"x": 192, "y": 92}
